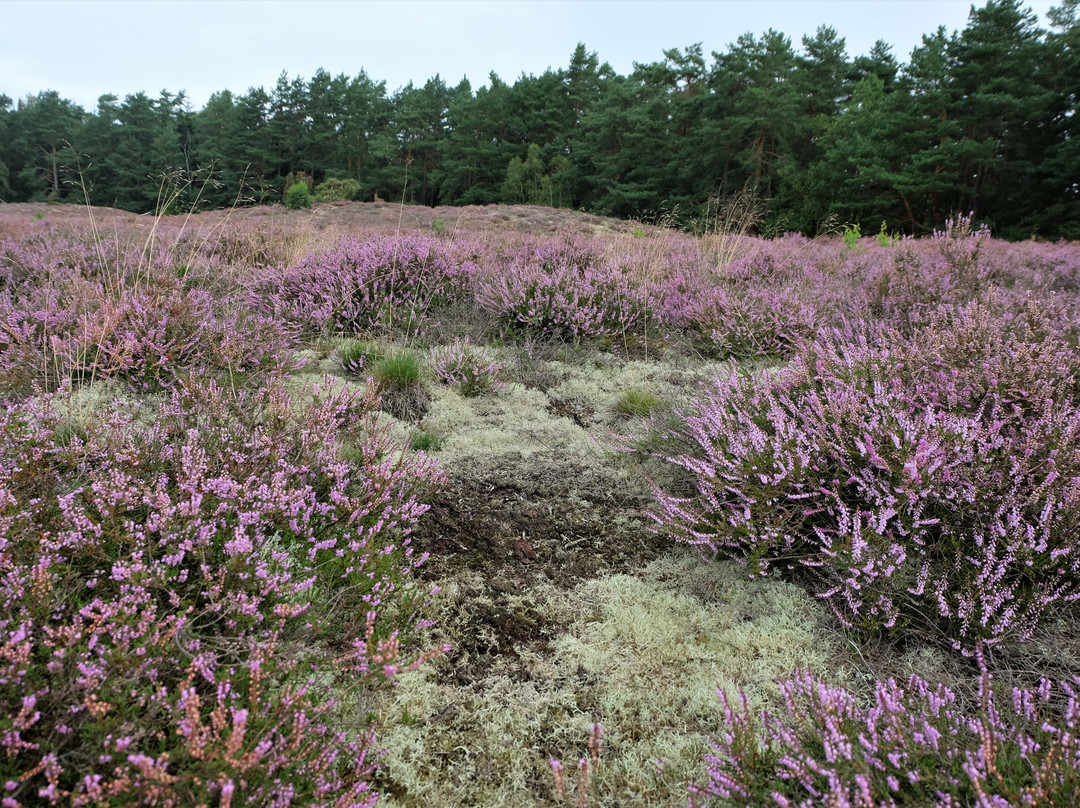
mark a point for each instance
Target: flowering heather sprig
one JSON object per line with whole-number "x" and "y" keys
{"x": 962, "y": 247}
{"x": 753, "y": 324}
{"x": 54, "y": 255}
{"x": 358, "y": 286}
{"x": 466, "y": 367}
{"x": 915, "y": 745}
{"x": 989, "y": 359}
{"x": 36, "y": 339}
{"x": 357, "y": 357}
{"x": 160, "y": 638}
{"x": 153, "y": 338}
{"x": 910, "y": 282}
{"x": 580, "y": 794}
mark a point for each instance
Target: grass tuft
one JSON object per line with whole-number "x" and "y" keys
{"x": 425, "y": 440}
{"x": 398, "y": 378}
{"x": 637, "y": 403}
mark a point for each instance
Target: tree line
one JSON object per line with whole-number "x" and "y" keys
{"x": 981, "y": 121}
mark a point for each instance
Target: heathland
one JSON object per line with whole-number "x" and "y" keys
{"x": 507, "y": 506}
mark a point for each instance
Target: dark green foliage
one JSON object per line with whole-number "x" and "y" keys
{"x": 979, "y": 121}
{"x": 297, "y": 196}
{"x": 41, "y": 132}
{"x": 334, "y": 190}
{"x": 529, "y": 182}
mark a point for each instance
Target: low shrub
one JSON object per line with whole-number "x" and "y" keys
{"x": 914, "y": 745}
{"x": 297, "y": 196}
{"x": 357, "y": 357}
{"x": 564, "y": 292}
{"x": 916, "y": 488}
{"x": 728, "y": 321}
{"x": 383, "y": 284}
{"x": 334, "y": 189}
{"x": 150, "y": 336}
{"x": 172, "y": 592}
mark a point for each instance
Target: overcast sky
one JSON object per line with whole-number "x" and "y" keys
{"x": 86, "y": 48}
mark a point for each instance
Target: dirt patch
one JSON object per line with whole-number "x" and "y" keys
{"x": 518, "y": 523}
{"x": 519, "y": 518}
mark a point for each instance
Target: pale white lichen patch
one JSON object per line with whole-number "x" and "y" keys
{"x": 515, "y": 420}
{"x": 642, "y": 654}
{"x": 83, "y": 404}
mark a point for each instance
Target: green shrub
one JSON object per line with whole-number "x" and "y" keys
{"x": 298, "y": 196}
{"x": 851, "y": 236}
{"x": 334, "y": 189}
{"x": 884, "y": 237}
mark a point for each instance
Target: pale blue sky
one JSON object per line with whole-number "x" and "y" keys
{"x": 85, "y": 48}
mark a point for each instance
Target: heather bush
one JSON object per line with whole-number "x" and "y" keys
{"x": 190, "y": 577}
{"x": 181, "y": 588}
{"x": 153, "y": 337}
{"x": 72, "y": 320}
{"x": 918, "y": 277}
{"x": 755, "y": 307}
{"x": 1000, "y": 357}
{"x": 755, "y": 324}
{"x": 381, "y": 284}
{"x": 916, "y": 487}
{"x": 35, "y": 341}
{"x": 55, "y": 257}
{"x": 914, "y": 745}
{"x": 565, "y": 291}
{"x": 579, "y": 793}
{"x": 467, "y": 368}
